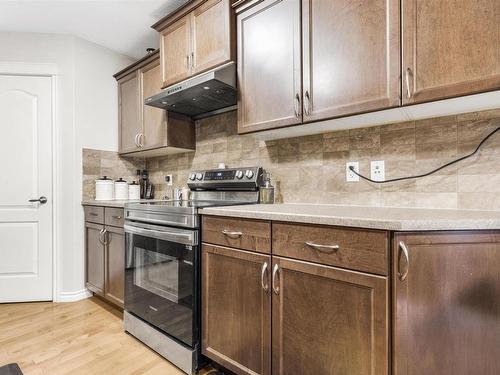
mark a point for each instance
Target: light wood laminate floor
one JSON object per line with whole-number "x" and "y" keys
{"x": 84, "y": 337}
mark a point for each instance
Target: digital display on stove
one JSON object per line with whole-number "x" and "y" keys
{"x": 219, "y": 175}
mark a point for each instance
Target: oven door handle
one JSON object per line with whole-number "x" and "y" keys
{"x": 179, "y": 236}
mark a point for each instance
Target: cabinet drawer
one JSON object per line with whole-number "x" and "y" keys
{"x": 358, "y": 249}
{"x": 253, "y": 235}
{"x": 94, "y": 214}
{"x": 114, "y": 216}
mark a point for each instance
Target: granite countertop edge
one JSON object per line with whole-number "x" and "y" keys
{"x": 383, "y": 221}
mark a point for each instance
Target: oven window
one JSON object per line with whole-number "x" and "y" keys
{"x": 160, "y": 274}
{"x": 161, "y": 284}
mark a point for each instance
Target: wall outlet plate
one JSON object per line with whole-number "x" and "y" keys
{"x": 169, "y": 179}
{"x": 349, "y": 176}
{"x": 377, "y": 170}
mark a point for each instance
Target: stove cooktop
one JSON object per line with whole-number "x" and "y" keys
{"x": 180, "y": 206}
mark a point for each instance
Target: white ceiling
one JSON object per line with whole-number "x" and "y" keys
{"x": 120, "y": 25}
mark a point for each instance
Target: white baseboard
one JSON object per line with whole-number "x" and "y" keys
{"x": 73, "y": 296}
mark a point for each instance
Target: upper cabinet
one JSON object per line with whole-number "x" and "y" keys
{"x": 350, "y": 56}
{"x": 303, "y": 61}
{"x": 199, "y": 37}
{"x": 145, "y": 130}
{"x": 450, "y": 48}
{"x": 349, "y": 62}
{"x": 269, "y": 66}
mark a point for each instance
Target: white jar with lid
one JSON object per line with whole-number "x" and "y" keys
{"x": 134, "y": 190}
{"x": 121, "y": 189}
{"x": 104, "y": 189}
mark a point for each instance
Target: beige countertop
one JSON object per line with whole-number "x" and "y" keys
{"x": 397, "y": 219}
{"x": 113, "y": 203}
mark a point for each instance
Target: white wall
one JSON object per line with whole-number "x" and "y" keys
{"x": 86, "y": 114}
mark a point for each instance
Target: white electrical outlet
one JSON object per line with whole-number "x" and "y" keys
{"x": 169, "y": 179}
{"x": 377, "y": 170}
{"x": 349, "y": 175}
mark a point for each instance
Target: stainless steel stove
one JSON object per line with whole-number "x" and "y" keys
{"x": 162, "y": 272}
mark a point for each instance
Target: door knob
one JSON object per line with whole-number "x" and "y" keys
{"x": 42, "y": 200}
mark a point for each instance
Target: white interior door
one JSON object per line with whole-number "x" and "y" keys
{"x": 26, "y": 169}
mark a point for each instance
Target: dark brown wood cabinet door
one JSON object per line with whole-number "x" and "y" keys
{"x": 175, "y": 51}
{"x": 129, "y": 112}
{"x": 328, "y": 321}
{"x": 351, "y": 57}
{"x": 236, "y": 310}
{"x": 94, "y": 254}
{"x": 450, "y": 48}
{"x": 115, "y": 265}
{"x": 269, "y": 66}
{"x": 154, "y": 119}
{"x": 447, "y": 307}
{"x": 212, "y": 28}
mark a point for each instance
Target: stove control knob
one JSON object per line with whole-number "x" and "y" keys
{"x": 239, "y": 175}
{"x": 199, "y": 176}
{"x": 249, "y": 174}
{"x": 192, "y": 176}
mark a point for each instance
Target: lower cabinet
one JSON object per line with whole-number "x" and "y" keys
{"x": 324, "y": 320}
{"x": 105, "y": 259}
{"x": 446, "y": 302}
{"x": 236, "y": 309}
{"x": 114, "y": 262}
{"x": 94, "y": 251}
{"x": 328, "y": 321}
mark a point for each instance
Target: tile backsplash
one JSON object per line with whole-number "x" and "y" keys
{"x": 98, "y": 163}
{"x": 311, "y": 169}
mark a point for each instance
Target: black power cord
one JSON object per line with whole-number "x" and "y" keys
{"x": 434, "y": 170}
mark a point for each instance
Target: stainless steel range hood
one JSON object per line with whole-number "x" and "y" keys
{"x": 204, "y": 95}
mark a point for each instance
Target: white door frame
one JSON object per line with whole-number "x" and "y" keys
{"x": 45, "y": 70}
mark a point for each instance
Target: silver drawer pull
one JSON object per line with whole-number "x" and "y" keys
{"x": 93, "y": 214}
{"x": 232, "y": 234}
{"x": 323, "y": 248}
{"x": 116, "y": 217}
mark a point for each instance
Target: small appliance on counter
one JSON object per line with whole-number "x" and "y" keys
{"x": 134, "y": 191}
{"x": 121, "y": 189}
{"x": 104, "y": 189}
{"x": 147, "y": 189}
{"x": 267, "y": 190}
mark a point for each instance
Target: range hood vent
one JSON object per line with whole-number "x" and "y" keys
{"x": 204, "y": 95}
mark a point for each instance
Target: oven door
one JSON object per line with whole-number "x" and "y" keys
{"x": 161, "y": 278}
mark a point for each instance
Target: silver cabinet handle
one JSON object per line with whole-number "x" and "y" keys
{"x": 307, "y": 103}
{"x": 140, "y": 140}
{"x": 263, "y": 273}
{"x": 407, "y": 77}
{"x": 116, "y": 217}
{"x": 192, "y": 60}
{"x": 323, "y": 248}
{"x": 187, "y": 62}
{"x": 232, "y": 234}
{"x": 105, "y": 237}
{"x": 136, "y": 140}
{"x": 41, "y": 200}
{"x": 276, "y": 288}
{"x": 100, "y": 236}
{"x": 404, "y": 250}
{"x": 297, "y": 105}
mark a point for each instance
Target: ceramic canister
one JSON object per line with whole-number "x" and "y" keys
{"x": 104, "y": 189}
{"x": 134, "y": 190}
{"x": 121, "y": 189}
